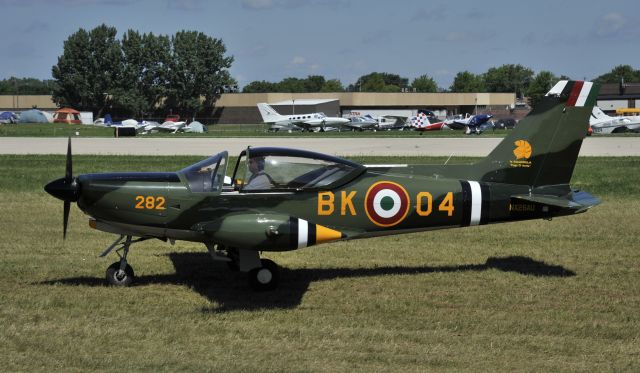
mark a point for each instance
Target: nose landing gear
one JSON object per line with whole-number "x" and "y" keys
{"x": 121, "y": 273}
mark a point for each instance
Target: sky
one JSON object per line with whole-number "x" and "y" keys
{"x": 345, "y": 39}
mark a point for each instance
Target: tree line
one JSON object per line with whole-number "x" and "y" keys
{"x": 506, "y": 78}
{"x": 141, "y": 74}
{"x": 148, "y": 74}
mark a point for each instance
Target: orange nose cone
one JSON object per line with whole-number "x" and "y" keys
{"x": 324, "y": 234}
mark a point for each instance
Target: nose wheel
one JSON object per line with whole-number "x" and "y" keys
{"x": 120, "y": 277}
{"x": 121, "y": 273}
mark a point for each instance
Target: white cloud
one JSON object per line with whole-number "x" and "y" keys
{"x": 294, "y": 4}
{"x": 611, "y": 25}
{"x": 257, "y": 4}
{"x": 186, "y": 5}
{"x": 297, "y": 60}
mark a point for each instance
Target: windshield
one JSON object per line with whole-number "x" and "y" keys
{"x": 207, "y": 175}
{"x": 293, "y": 170}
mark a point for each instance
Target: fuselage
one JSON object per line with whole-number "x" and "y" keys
{"x": 377, "y": 202}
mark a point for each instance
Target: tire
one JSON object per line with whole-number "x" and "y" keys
{"x": 621, "y": 129}
{"x": 119, "y": 279}
{"x": 264, "y": 278}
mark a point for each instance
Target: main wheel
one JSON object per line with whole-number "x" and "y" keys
{"x": 117, "y": 277}
{"x": 264, "y": 278}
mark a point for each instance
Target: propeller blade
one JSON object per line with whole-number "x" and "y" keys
{"x": 68, "y": 173}
{"x": 68, "y": 179}
{"x": 65, "y": 219}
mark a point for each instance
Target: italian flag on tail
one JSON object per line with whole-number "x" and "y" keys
{"x": 578, "y": 93}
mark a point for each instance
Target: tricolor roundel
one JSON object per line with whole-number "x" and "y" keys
{"x": 386, "y": 203}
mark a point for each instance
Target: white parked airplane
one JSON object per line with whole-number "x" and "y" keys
{"x": 602, "y": 123}
{"x": 304, "y": 121}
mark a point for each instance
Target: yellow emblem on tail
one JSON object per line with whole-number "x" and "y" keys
{"x": 522, "y": 150}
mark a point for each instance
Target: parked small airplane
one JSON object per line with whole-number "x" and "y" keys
{"x": 470, "y": 123}
{"x": 304, "y": 121}
{"x": 421, "y": 122}
{"x": 279, "y": 199}
{"x": 361, "y": 123}
{"x": 127, "y": 123}
{"x": 603, "y": 123}
{"x": 393, "y": 122}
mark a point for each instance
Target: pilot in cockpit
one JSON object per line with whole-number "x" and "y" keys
{"x": 259, "y": 179}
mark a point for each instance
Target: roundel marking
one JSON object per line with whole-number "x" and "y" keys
{"x": 386, "y": 203}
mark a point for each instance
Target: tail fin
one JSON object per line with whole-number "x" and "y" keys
{"x": 269, "y": 114}
{"x": 598, "y": 114}
{"x": 420, "y": 121}
{"x": 543, "y": 148}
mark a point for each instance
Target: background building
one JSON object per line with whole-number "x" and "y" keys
{"x": 241, "y": 107}
{"x": 614, "y": 96}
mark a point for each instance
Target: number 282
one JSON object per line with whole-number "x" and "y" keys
{"x": 150, "y": 202}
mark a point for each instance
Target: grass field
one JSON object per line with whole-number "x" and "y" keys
{"x": 221, "y": 130}
{"x": 532, "y": 296}
{"x": 229, "y": 130}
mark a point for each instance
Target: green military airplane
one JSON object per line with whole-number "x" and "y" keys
{"x": 279, "y": 199}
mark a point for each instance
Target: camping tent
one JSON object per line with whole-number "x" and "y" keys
{"x": 8, "y": 117}
{"x": 33, "y": 116}
{"x": 195, "y": 127}
{"x": 67, "y": 115}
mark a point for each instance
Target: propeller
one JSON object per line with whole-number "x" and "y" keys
{"x": 65, "y": 189}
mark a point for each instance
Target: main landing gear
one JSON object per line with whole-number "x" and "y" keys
{"x": 263, "y": 273}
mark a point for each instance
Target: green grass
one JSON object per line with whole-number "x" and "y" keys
{"x": 530, "y": 296}
{"x": 222, "y": 130}
{"x": 229, "y": 130}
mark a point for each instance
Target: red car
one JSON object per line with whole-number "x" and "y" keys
{"x": 172, "y": 118}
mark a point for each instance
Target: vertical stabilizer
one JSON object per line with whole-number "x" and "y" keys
{"x": 599, "y": 115}
{"x": 543, "y": 148}
{"x": 269, "y": 114}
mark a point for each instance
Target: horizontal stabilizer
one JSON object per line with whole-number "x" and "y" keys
{"x": 579, "y": 201}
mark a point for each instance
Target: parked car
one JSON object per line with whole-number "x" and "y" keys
{"x": 172, "y": 118}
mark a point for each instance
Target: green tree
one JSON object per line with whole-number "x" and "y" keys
{"x": 540, "y": 85}
{"x": 26, "y": 86}
{"x": 508, "y": 78}
{"x": 373, "y": 83}
{"x": 295, "y": 85}
{"x": 332, "y": 85}
{"x": 128, "y": 95}
{"x": 261, "y": 86}
{"x": 424, "y": 83}
{"x": 145, "y": 70}
{"x": 467, "y": 82}
{"x": 378, "y": 82}
{"x": 314, "y": 83}
{"x": 88, "y": 70}
{"x": 626, "y": 72}
{"x": 198, "y": 68}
